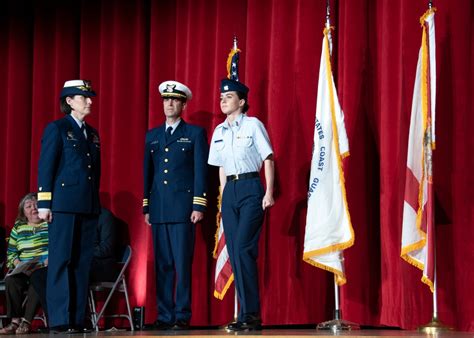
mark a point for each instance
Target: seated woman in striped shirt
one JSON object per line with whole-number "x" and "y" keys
{"x": 27, "y": 259}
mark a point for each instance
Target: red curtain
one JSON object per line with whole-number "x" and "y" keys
{"x": 128, "y": 47}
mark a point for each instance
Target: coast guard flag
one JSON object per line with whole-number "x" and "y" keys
{"x": 418, "y": 224}
{"x": 328, "y": 223}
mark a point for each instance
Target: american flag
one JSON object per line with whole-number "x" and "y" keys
{"x": 223, "y": 277}
{"x": 233, "y": 62}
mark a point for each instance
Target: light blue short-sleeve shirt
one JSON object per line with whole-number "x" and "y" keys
{"x": 240, "y": 147}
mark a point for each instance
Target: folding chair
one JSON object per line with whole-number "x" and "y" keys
{"x": 119, "y": 285}
{"x": 3, "y": 315}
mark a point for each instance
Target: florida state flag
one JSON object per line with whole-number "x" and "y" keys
{"x": 418, "y": 223}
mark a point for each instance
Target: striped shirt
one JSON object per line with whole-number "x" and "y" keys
{"x": 27, "y": 242}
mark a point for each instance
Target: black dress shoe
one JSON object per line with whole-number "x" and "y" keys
{"x": 181, "y": 325}
{"x": 159, "y": 325}
{"x": 250, "y": 324}
{"x": 234, "y": 326}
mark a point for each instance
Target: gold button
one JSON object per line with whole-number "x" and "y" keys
{"x": 165, "y": 171}
{"x": 166, "y": 149}
{"x": 166, "y": 160}
{"x": 165, "y": 182}
{"x": 204, "y": 194}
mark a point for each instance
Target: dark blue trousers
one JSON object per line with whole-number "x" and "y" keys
{"x": 174, "y": 249}
{"x": 71, "y": 248}
{"x": 242, "y": 216}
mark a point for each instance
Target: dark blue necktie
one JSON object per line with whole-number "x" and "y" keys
{"x": 83, "y": 130}
{"x": 168, "y": 133}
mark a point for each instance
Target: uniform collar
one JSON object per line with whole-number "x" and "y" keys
{"x": 174, "y": 125}
{"x": 79, "y": 123}
{"x": 235, "y": 124}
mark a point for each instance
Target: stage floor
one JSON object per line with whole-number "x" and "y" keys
{"x": 274, "y": 333}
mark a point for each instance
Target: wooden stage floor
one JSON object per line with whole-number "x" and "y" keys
{"x": 273, "y": 333}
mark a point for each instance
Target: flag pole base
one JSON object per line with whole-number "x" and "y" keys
{"x": 435, "y": 326}
{"x": 337, "y": 325}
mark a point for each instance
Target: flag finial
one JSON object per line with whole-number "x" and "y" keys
{"x": 235, "y": 42}
{"x": 328, "y": 14}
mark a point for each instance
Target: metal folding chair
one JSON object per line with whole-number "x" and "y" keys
{"x": 119, "y": 285}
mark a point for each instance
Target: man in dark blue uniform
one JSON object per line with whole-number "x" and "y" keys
{"x": 68, "y": 198}
{"x": 175, "y": 173}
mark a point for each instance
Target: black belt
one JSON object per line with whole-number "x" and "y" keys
{"x": 245, "y": 176}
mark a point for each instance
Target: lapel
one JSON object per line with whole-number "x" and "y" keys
{"x": 160, "y": 134}
{"x": 75, "y": 128}
{"x": 178, "y": 133}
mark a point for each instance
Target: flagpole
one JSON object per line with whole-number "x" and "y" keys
{"x": 236, "y": 305}
{"x": 435, "y": 325}
{"x": 337, "y": 324}
{"x": 236, "y": 301}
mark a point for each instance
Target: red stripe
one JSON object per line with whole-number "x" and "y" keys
{"x": 223, "y": 276}
{"x": 412, "y": 187}
{"x": 220, "y": 244}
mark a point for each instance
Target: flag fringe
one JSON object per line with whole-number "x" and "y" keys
{"x": 416, "y": 263}
{"x": 218, "y": 223}
{"x": 420, "y": 266}
{"x": 330, "y": 249}
{"x": 220, "y": 295}
{"x": 414, "y": 246}
{"x": 428, "y": 282}
{"x": 339, "y": 275}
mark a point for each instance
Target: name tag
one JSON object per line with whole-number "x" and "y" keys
{"x": 184, "y": 140}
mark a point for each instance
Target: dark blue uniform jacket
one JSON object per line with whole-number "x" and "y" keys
{"x": 175, "y": 173}
{"x": 69, "y": 168}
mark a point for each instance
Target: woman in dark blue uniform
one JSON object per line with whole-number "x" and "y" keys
{"x": 240, "y": 146}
